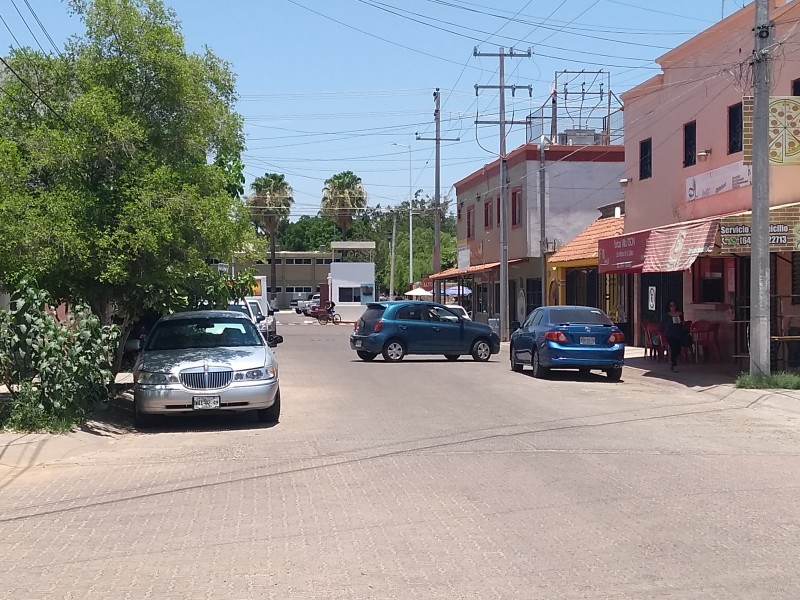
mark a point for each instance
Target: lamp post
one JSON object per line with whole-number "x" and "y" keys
{"x": 410, "y": 218}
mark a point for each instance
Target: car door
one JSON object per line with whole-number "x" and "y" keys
{"x": 414, "y": 332}
{"x": 526, "y": 337}
{"x": 448, "y": 336}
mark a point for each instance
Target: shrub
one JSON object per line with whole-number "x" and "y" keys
{"x": 55, "y": 370}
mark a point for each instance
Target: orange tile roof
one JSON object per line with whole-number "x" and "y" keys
{"x": 472, "y": 270}
{"x": 584, "y": 246}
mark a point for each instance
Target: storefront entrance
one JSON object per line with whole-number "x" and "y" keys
{"x": 657, "y": 290}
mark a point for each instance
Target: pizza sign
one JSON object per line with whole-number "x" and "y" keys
{"x": 784, "y": 130}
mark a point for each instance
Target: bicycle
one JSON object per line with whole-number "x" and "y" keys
{"x": 325, "y": 318}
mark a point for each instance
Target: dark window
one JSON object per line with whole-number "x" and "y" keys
{"x": 735, "y": 128}
{"x": 320, "y": 261}
{"x": 487, "y": 214}
{"x": 516, "y": 207}
{"x": 646, "y": 159}
{"x": 533, "y": 293}
{"x": 796, "y": 87}
{"x": 345, "y": 294}
{"x": 470, "y": 223}
{"x": 796, "y": 275}
{"x": 289, "y": 261}
{"x": 578, "y": 315}
{"x": 306, "y": 261}
{"x": 690, "y": 144}
{"x": 498, "y": 210}
{"x": 709, "y": 280}
{"x": 278, "y": 261}
{"x": 409, "y": 313}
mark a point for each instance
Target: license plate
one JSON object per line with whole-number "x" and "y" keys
{"x": 358, "y": 343}
{"x": 205, "y": 402}
{"x": 587, "y": 341}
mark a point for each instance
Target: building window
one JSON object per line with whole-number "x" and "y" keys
{"x": 516, "y": 207}
{"x": 796, "y": 87}
{"x": 498, "y": 211}
{"x": 278, "y": 261}
{"x": 306, "y": 261}
{"x": 646, "y": 158}
{"x": 470, "y": 223}
{"x": 735, "y": 128}
{"x": 690, "y": 144}
{"x": 289, "y": 289}
{"x": 458, "y": 215}
{"x": 289, "y": 261}
{"x": 320, "y": 261}
{"x": 329, "y": 261}
{"x": 709, "y": 282}
{"x": 350, "y": 294}
{"x": 487, "y": 214}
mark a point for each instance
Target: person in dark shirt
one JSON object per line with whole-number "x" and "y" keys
{"x": 674, "y": 331}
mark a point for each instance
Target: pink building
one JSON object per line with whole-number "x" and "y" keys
{"x": 687, "y": 183}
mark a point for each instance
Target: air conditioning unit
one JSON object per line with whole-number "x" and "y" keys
{"x": 578, "y": 137}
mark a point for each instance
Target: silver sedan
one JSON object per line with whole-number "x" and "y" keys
{"x": 205, "y": 361}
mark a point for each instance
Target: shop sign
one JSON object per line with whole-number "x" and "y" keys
{"x": 623, "y": 253}
{"x": 784, "y": 231}
{"x": 717, "y": 181}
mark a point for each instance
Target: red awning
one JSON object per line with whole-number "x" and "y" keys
{"x": 676, "y": 248}
{"x": 622, "y": 253}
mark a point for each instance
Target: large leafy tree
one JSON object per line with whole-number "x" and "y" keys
{"x": 343, "y": 197}
{"x": 119, "y": 163}
{"x": 307, "y": 233}
{"x": 270, "y": 204}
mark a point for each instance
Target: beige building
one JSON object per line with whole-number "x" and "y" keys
{"x": 298, "y": 274}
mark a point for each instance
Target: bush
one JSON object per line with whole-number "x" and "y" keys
{"x": 774, "y": 381}
{"x": 55, "y": 370}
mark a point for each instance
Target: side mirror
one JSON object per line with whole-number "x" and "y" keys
{"x": 134, "y": 345}
{"x": 274, "y": 340}
{"x": 270, "y": 312}
{"x": 515, "y": 325}
{"x": 260, "y": 318}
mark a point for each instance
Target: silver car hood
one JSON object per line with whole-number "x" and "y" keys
{"x": 236, "y": 358}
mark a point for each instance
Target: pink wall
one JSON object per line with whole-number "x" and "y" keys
{"x": 701, "y": 79}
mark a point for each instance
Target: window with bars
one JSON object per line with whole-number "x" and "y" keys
{"x": 516, "y": 207}
{"x": 690, "y": 144}
{"x": 646, "y": 159}
{"x": 735, "y": 128}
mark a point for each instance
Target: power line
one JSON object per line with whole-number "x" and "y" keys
{"x": 44, "y": 29}
{"x": 35, "y": 93}
{"x": 14, "y": 4}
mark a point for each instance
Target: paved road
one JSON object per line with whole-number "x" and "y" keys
{"x": 424, "y": 479}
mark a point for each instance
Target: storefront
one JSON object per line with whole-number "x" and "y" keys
{"x": 620, "y": 258}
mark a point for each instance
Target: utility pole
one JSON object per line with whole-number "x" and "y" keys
{"x": 391, "y": 262}
{"x": 410, "y": 218}
{"x": 542, "y": 238}
{"x": 436, "y": 261}
{"x": 502, "y": 54}
{"x": 759, "y": 259}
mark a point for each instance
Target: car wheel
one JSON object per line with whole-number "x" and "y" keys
{"x": 481, "y": 350}
{"x": 298, "y": 311}
{"x": 366, "y": 356}
{"x": 452, "y": 357}
{"x": 539, "y": 371}
{"x": 394, "y": 351}
{"x": 141, "y": 419}
{"x": 514, "y": 366}
{"x": 273, "y": 413}
{"x": 614, "y": 374}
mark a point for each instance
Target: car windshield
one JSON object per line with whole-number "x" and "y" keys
{"x": 203, "y": 332}
{"x": 256, "y": 308}
{"x": 578, "y": 315}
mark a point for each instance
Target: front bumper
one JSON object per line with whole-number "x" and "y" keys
{"x": 175, "y": 399}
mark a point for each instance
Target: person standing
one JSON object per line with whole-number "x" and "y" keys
{"x": 674, "y": 331}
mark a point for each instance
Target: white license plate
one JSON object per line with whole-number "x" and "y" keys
{"x": 587, "y": 341}
{"x": 205, "y": 402}
{"x": 358, "y": 343}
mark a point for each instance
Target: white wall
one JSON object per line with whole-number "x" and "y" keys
{"x": 352, "y": 275}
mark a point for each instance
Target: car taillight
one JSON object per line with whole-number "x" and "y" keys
{"x": 616, "y": 338}
{"x": 555, "y": 336}
{"x": 378, "y": 326}
{"x": 355, "y": 326}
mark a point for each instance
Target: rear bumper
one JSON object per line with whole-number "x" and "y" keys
{"x": 366, "y": 343}
{"x": 559, "y": 356}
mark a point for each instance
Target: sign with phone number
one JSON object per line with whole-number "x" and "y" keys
{"x": 780, "y": 234}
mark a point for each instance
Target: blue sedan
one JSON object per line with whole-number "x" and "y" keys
{"x": 395, "y": 329}
{"x": 568, "y": 337}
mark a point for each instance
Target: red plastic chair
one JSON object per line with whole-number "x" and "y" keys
{"x": 701, "y": 333}
{"x": 654, "y": 343}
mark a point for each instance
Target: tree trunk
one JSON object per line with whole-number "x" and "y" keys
{"x": 273, "y": 271}
{"x": 125, "y": 332}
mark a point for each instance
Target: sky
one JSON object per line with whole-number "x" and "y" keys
{"x": 332, "y": 86}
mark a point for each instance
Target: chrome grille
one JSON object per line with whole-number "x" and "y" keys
{"x": 210, "y": 380}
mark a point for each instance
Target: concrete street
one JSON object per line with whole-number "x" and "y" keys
{"x": 424, "y": 479}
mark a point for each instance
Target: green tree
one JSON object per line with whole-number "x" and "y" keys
{"x": 270, "y": 204}
{"x": 307, "y": 234}
{"x": 118, "y": 162}
{"x": 343, "y": 197}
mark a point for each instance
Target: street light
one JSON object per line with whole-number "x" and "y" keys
{"x": 410, "y": 219}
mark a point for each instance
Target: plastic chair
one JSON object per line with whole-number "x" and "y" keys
{"x": 654, "y": 342}
{"x": 701, "y": 333}
{"x": 714, "y": 335}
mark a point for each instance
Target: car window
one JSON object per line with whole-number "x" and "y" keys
{"x": 537, "y": 318}
{"x": 256, "y": 308}
{"x": 531, "y": 318}
{"x": 239, "y": 308}
{"x": 373, "y": 314}
{"x": 409, "y": 313}
{"x": 203, "y": 332}
{"x": 444, "y": 314}
{"x": 578, "y": 315}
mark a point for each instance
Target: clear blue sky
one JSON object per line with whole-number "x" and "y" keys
{"x": 330, "y": 86}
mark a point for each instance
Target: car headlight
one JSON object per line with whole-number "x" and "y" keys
{"x": 147, "y": 378}
{"x": 265, "y": 373}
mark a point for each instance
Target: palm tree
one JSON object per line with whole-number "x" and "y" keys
{"x": 342, "y": 197}
{"x": 270, "y": 204}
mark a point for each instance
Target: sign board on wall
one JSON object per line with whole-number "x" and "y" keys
{"x": 784, "y": 130}
{"x": 784, "y": 231}
{"x": 651, "y": 297}
{"x": 463, "y": 255}
{"x": 718, "y": 181}
{"x": 622, "y": 253}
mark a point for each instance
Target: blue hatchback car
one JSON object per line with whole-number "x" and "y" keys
{"x": 568, "y": 337}
{"x": 395, "y": 329}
